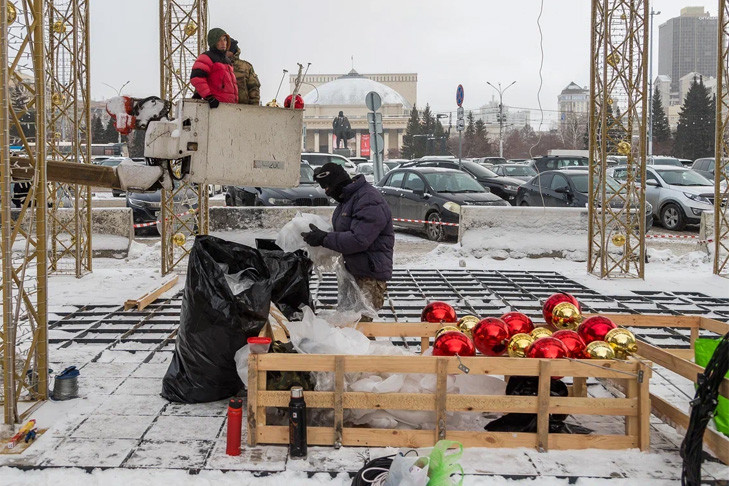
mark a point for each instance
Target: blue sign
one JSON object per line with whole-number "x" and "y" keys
{"x": 459, "y": 95}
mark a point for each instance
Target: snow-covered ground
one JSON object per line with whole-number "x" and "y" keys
{"x": 121, "y": 432}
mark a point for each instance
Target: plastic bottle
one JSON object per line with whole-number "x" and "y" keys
{"x": 235, "y": 423}
{"x": 297, "y": 423}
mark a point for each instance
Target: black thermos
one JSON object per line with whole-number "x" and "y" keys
{"x": 297, "y": 423}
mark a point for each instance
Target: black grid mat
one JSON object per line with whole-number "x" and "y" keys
{"x": 107, "y": 328}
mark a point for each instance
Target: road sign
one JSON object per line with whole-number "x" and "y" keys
{"x": 459, "y": 113}
{"x": 374, "y": 120}
{"x": 460, "y": 125}
{"x": 459, "y": 95}
{"x": 373, "y": 101}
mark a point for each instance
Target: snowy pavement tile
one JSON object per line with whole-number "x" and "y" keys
{"x": 161, "y": 357}
{"x": 259, "y": 458}
{"x": 98, "y": 386}
{"x": 174, "y": 428}
{"x": 140, "y": 386}
{"x": 170, "y": 455}
{"x": 591, "y": 463}
{"x": 33, "y": 455}
{"x": 151, "y": 370}
{"x": 114, "y": 427}
{"x": 112, "y": 356}
{"x": 132, "y": 405}
{"x": 637, "y": 465}
{"x": 328, "y": 459}
{"x": 210, "y": 409}
{"x": 90, "y": 453}
{"x": 497, "y": 461}
{"x": 104, "y": 370}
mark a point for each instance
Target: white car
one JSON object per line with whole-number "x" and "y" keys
{"x": 317, "y": 159}
{"x": 678, "y": 195}
{"x": 368, "y": 170}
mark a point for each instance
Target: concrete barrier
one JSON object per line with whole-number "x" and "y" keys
{"x": 111, "y": 230}
{"x": 231, "y": 219}
{"x": 534, "y": 232}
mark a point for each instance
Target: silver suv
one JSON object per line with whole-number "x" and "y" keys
{"x": 678, "y": 195}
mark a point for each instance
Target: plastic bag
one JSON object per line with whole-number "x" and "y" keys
{"x": 444, "y": 464}
{"x": 314, "y": 335}
{"x": 289, "y": 239}
{"x": 290, "y": 277}
{"x": 703, "y": 351}
{"x": 408, "y": 471}
{"x": 215, "y": 321}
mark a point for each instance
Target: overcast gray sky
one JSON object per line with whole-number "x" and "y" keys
{"x": 446, "y": 43}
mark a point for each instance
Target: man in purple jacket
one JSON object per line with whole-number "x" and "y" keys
{"x": 362, "y": 230}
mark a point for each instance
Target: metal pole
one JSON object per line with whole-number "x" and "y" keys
{"x": 650, "y": 86}
{"x": 501, "y": 114}
{"x": 460, "y": 149}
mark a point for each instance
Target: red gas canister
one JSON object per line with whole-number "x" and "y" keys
{"x": 235, "y": 422}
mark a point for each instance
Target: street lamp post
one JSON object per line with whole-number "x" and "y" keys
{"x": 501, "y": 114}
{"x": 650, "y": 85}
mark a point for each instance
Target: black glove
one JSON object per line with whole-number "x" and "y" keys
{"x": 212, "y": 101}
{"x": 315, "y": 237}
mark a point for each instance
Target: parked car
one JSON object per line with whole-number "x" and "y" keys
{"x": 686, "y": 162}
{"x": 678, "y": 195}
{"x": 393, "y": 163}
{"x": 146, "y": 206}
{"x": 663, "y": 160}
{"x": 491, "y": 160}
{"x": 359, "y": 160}
{"x": 504, "y": 187}
{"x": 368, "y": 170}
{"x": 706, "y": 167}
{"x": 518, "y": 161}
{"x": 307, "y": 193}
{"x": 517, "y": 171}
{"x": 567, "y": 188}
{"x": 554, "y": 162}
{"x": 435, "y": 195}
{"x": 315, "y": 159}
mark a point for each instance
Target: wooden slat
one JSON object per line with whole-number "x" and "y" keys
{"x": 677, "y": 365}
{"x": 441, "y": 395}
{"x": 424, "y": 438}
{"x": 715, "y": 441}
{"x": 395, "y": 329}
{"x": 543, "y": 394}
{"x": 338, "y": 406}
{"x": 579, "y": 386}
{"x": 714, "y": 326}
{"x": 632, "y": 424}
{"x": 651, "y": 320}
{"x": 151, "y": 296}
{"x": 644, "y": 403}
{"x": 252, "y": 399}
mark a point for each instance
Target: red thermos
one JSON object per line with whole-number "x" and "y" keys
{"x": 235, "y": 422}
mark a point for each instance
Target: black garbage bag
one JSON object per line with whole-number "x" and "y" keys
{"x": 226, "y": 300}
{"x": 527, "y": 422}
{"x": 290, "y": 277}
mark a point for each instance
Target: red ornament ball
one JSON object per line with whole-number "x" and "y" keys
{"x": 547, "y": 347}
{"x": 573, "y": 342}
{"x": 491, "y": 336}
{"x": 438, "y": 312}
{"x": 551, "y": 303}
{"x": 299, "y": 105}
{"x": 518, "y": 323}
{"x": 595, "y": 328}
{"x": 452, "y": 343}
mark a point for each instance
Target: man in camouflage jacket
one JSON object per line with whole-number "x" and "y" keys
{"x": 248, "y": 85}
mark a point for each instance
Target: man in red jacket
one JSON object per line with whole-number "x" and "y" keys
{"x": 212, "y": 74}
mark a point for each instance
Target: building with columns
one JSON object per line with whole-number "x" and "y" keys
{"x": 325, "y": 95}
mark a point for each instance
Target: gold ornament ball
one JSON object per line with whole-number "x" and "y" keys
{"x": 446, "y": 329}
{"x": 59, "y": 27}
{"x": 12, "y": 13}
{"x": 190, "y": 28}
{"x": 618, "y": 240}
{"x": 466, "y": 324}
{"x": 56, "y": 99}
{"x": 599, "y": 350}
{"x": 518, "y": 344}
{"x": 540, "y": 332}
{"x": 178, "y": 239}
{"x": 272, "y": 103}
{"x": 624, "y": 148}
{"x": 622, "y": 341}
{"x": 566, "y": 315}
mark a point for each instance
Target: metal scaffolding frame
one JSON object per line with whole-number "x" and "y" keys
{"x": 24, "y": 243}
{"x": 69, "y": 120}
{"x": 721, "y": 172}
{"x": 184, "y": 210}
{"x": 618, "y": 112}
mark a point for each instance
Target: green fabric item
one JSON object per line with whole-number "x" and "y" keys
{"x": 704, "y": 350}
{"x": 444, "y": 464}
{"x": 214, "y": 36}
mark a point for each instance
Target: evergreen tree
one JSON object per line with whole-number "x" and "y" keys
{"x": 427, "y": 129}
{"x": 408, "y": 149}
{"x": 482, "y": 147}
{"x": 98, "y": 134}
{"x": 110, "y": 133}
{"x": 661, "y": 129}
{"x": 469, "y": 136}
{"x": 440, "y": 138}
{"x": 696, "y": 121}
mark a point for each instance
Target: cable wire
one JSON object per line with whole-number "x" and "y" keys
{"x": 374, "y": 473}
{"x": 702, "y": 410}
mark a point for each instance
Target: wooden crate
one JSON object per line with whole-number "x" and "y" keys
{"x": 634, "y": 406}
{"x": 680, "y": 362}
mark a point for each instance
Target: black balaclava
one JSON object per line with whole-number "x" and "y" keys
{"x": 332, "y": 178}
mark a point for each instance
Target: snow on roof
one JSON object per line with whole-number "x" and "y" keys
{"x": 573, "y": 88}
{"x": 351, "y": 90}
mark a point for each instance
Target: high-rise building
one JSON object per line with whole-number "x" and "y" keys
{"x": 687, "y": 44}
{"x": 573, "y": 100}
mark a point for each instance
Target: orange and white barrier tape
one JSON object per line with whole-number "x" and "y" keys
{"x": 424, "y": 222}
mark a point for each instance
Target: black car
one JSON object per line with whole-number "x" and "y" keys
{"x": 555, "y": 162}
{"x": 706, "y": 167}
{"x": 146, "y": 206}
{"x": 432, "y": 194}
{"x": 308, "y": 193}
{"x": 517, "y": 171}
{"x": 566, "y": 188}
{"x": 504, "y": 187}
